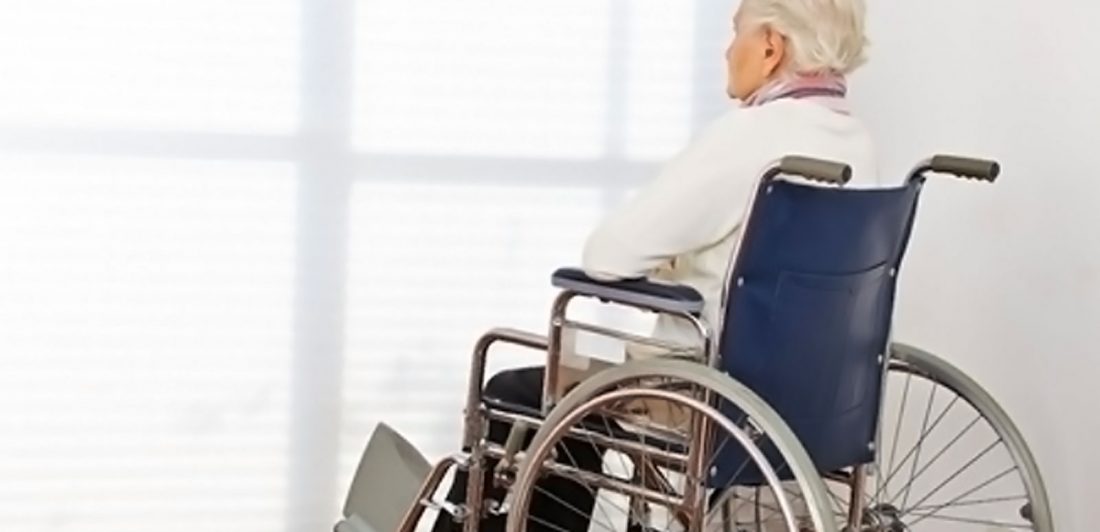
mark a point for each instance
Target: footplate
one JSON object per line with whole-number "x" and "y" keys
{"x": 386, "y": 484}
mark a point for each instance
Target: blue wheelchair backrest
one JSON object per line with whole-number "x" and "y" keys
{"x": 809, "y": 308}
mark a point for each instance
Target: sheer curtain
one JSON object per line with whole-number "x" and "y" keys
{"x": 236, "y": 234}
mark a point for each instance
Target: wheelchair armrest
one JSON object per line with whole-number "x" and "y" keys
{"x": 515, "y": 337}
{"x": 643, "y": 293}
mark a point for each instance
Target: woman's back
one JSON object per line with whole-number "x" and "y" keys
{"x": 698, "y": 203}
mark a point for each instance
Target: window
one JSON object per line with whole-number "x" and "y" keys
{"x": 432, "y": 267}
{"x": 146, "y": 312}
{"x": 483, "y": 78}
{"x": 236, "y": 231}
{"x": 199, "y": 65}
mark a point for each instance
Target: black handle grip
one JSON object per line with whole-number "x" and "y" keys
{"x": 816, "y": 169}
{"x": 980, "y": 169}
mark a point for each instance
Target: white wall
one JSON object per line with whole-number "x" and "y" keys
{"x": 1004, "y": 280}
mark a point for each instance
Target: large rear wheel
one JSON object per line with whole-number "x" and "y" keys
{"x": 950, "y": 459}
{"x": 679, "y": 442}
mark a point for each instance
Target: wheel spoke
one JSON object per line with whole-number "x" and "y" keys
{"x": 568, "y": 427}
{"x": 744, "y": 464}
{"x": 970, "y": 520}
{"x": 897, "y": 431}
{"x": 952, "y": 467}
{"x": 938, "y": 455}
{"x": 622, "y": 463}
{"x": 714, "y": 457}
{"x": 975, "y": 502}
{"x": 758, "y": 505}
{"x": 570, "y": 507}
{"x": 573, "y": 461}
{"x": 740, "y": 469}
{"x": 920, "y": 444}
{"x": 777, "y": 510}
{"x": 838, "y": 501}
{"x": 924, "y": 436}
{"x": 772, "y": 510}
{"x": 548, "y": 524}
{"x": 968, "y": 492}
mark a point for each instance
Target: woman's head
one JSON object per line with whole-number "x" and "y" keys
{"x": 774, "y": 37}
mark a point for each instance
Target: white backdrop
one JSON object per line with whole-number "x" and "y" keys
{"x": 1004, "y": 280}
{"x": 236, "y": 234}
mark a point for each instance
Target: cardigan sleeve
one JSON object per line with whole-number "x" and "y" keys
{"x": 698, "y": 198}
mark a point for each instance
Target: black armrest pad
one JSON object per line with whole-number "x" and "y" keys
{"x": 636, "y": 292}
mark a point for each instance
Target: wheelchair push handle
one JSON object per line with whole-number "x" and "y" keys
{"x": 965, "y": 167}
{"x": 814, "y": 169}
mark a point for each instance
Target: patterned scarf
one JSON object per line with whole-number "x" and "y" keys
{"x": 827, "y": 89}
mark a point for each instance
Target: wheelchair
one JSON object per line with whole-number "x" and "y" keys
{"x": 796, "y": 413}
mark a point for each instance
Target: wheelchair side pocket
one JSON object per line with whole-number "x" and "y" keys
{"x": 806, "y": 312}
{"x": 823, "y": 373}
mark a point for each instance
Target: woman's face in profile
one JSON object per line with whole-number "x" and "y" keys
{"x": 752, "y": 57}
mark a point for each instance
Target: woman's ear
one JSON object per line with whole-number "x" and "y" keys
{"x": 775, "y": 54}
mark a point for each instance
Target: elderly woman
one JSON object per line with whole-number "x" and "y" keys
{"x": 786, "y": 66}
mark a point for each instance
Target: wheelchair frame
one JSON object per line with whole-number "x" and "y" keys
{"x": 512, "y": 462}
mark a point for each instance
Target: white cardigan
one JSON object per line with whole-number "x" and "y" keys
{"x": 684, "y": 226}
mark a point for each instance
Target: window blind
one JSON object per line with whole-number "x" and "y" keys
{"x": 160, "y": 164}
{"x": 196, "y": 65}
{"x": 145, "y": 311}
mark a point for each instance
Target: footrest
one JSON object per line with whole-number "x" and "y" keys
{"x": 386, "y": 483}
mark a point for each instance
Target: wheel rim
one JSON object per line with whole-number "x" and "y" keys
{"x": 949, "y": 459}
{"x": 646, "y": 465}
{"x": 719, "y": 509}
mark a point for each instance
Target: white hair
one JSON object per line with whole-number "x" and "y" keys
{"x": 822, "y": 35}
